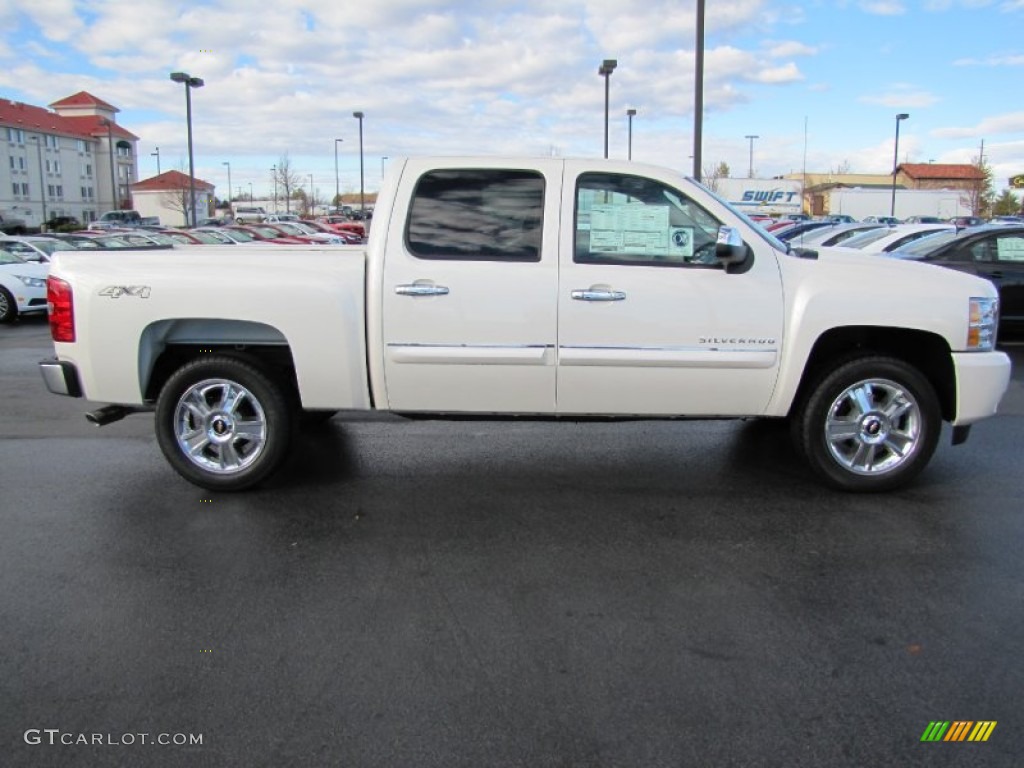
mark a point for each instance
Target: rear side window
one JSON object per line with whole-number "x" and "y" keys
{"x": 477, "y": 214}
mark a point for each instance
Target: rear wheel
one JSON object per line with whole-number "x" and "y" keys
{"x": 223, "y": 424}
{"x": 870, "y": 425}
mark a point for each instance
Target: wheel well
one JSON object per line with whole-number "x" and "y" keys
{"x": 274, "y": 360}
{"x": 927, "y": 352}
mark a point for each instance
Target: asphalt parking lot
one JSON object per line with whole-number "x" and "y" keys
{"x": 500, "y": 594}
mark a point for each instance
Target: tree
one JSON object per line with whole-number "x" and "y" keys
{"x": 287, "y": 179}
{"x": 982, "y": 194}
{"x": 711, "y": 175}
{"x": 842, "y": 169}
{"x": 1006, "y": 204}
{"x": 176, "y": 196}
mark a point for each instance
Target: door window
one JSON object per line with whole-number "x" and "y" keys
{"x": 632, "y": 220}
{"x": 477, "y": 214}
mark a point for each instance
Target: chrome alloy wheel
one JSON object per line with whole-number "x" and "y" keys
{"x": 220, "y": 426}
{"x": 873, "y": 427}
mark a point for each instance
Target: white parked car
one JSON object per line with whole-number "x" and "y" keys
{"x": 886, "y": 239}
{"x": 22, "y": 287}
{"x": 38, "y": 249}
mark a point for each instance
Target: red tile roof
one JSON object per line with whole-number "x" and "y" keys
{"x": 30, "y": 118}
{"x": 941, "y": 171}
{"x": 84, "y": 99}
{"x": 168, "y": 181}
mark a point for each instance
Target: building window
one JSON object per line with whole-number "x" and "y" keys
{"x": 14, "y": 187}
{"x": 88, "y": 170}
{"x": 124, "y": 150}
{"x": 24, "y": 188}
{"x": 60, "y": 190}
{"x": 83, "y": 146}
{"x": 56, "y": 166}
{"x": 53, "y": 142}
{"x": 16, "y": 135}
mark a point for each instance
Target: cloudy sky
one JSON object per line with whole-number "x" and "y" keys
{"x": 819, "y": 83}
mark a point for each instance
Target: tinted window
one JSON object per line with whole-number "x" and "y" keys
{"x": 489, "y": 215}
{"x": 634, "y": 220}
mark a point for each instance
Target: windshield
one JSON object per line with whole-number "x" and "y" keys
{"x": 6, "y": 257}
{"x": 866, "y": 238}
{"x": 768, "y": 237}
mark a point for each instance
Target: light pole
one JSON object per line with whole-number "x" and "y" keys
{"x": 337, "y": 185}
{"x": 157, "y": 155}
{"x": 750, "y": 171}
{"x": 630, "y": 113}
{"x": 362, "y": 189}
{"x": 895, "y": 161}
{"x": 698, "y": 92}
{"x": 605, "y": 70}
{"x": 229, "y": 182}
{"x": 110, "y": 146}
{"x": 251, "y": 198}
{"x": 42, "y": 179}
{"x": 309, "y": 201}
{"x": 273, "y": 175}
{"x": 189, "y": 82}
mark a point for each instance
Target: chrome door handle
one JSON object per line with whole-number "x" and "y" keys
{"x": 592, "y": 295}
{"x": 421, "y": 289}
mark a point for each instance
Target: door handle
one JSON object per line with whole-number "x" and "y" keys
{"x": 421, "y": 289}
{"x": 589, "y": 294}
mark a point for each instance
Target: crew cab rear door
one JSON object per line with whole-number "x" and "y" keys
{"x": 468, "y": 299}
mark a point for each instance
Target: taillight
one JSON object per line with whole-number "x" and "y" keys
{"x": 61, "y": 306}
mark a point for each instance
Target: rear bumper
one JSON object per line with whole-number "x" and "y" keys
{"x": 981, "y": 382}
{"x": 60, "y": 377}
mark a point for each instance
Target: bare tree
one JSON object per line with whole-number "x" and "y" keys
{"x": 176, "y": 196}
{"x": 287, "y": 179}
{"x": 711, "y": 175}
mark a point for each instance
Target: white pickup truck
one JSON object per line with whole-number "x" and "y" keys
{"x": 540, "y": 288}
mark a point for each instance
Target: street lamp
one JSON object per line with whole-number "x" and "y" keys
{"x": 605, "y": 70}
{"x": 750, "y": 172}
{"x": 157, "y": 155}
{"x": 309, "y": 202}
{"x": 250, "y": 192}
{"x": 337, "y": 185}
{"x": 110, "y": 146}
{"x": 273, "y": 175}
{"x": 362, "y": 189}
{"x": 42, "y": 179}
{"x": 895, "y": 161}
{"x": 630, "y": 113}
{"x": 229, "y": 182}
{"x": 189, "y": 82}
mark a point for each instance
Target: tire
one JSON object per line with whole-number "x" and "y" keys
{"x": 8, "y": 306}
{"x": 870, "y": 425}
{"x": 217, "y": 444}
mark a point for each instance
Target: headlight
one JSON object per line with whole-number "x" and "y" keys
{"x": 984, "y": 320}
{"x": 32, "y": 282}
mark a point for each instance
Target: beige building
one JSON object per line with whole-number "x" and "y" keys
{"x": 909, "y": 176}
{"x": 70, "y": 160}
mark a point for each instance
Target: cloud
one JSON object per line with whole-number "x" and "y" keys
{"x": 1004, "y": 60}
{"x": 1010, "y": 123}
{"x": 790, "y": 48}
{"x": 901, "y": 97}
{"x": 884, "y": 8}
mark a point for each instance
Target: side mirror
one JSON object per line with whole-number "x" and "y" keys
{"x": 730, "y": 250}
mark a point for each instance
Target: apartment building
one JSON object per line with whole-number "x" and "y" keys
{"x": 72, "y": 159}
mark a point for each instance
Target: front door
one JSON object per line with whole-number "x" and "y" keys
{"x": 650, "y": 322}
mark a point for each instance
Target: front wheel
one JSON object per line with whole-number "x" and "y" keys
{"x": 223, "y": 424}
{"x": 8, "y": 306}
{"x": 870, "y": 425}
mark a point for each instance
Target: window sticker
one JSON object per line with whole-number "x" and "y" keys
{"x": 634, "y": 229}
{"x": 1010, "y": 249}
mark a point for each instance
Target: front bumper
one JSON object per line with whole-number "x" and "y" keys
{"x": 60, "y": 377}
{"x": 981, "y": 381}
